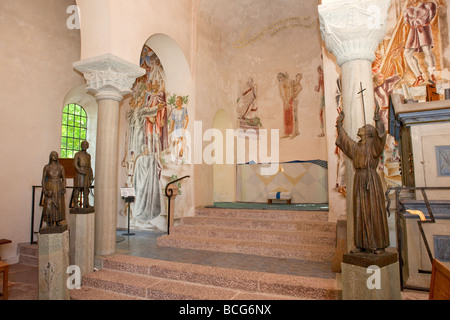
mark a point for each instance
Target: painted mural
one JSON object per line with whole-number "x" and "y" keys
{"x": 289, "y": 90}
{"x": 247, "y": 107}
{"x": 409, "y": 59}
{"x": 155, "y": 140}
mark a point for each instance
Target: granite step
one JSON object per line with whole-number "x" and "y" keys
{"x": 150, "y": 279}
{"x": 296, "y": 237}
{"x": 262, "y": 214}
{"x": 268, "y": 249}
{"x": 260, "y": 224}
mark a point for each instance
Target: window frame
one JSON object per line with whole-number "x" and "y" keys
{"x": 72, "y": 121}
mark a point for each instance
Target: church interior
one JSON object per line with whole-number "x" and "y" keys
{"x": 222, "y": 155}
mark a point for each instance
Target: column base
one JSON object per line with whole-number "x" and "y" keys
{"x": 53, "y": 264}
{"x": 82, "y": 242}
{"x": 367, "y": 276}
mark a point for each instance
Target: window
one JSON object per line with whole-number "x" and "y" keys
{"x": 74, "y": 130}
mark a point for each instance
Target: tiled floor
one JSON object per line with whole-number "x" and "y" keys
{"x": 23, "y": 280}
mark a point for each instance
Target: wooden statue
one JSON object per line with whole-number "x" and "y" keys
{"x": 54, "y": 189}
{"x": 370, "y": 221}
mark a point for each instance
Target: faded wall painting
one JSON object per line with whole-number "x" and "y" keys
{"x": 247, "y": 107}
{"x": 289, "y": 90}
{"x": 155, "y": 143}
{"x": 409, "y": 59}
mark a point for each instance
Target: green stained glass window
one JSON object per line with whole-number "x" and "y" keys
{"x": 74, "y": 130}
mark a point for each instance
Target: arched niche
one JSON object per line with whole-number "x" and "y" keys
{"x": 174, "y": 63}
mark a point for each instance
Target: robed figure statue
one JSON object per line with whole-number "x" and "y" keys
{"x": 54, "y": 189}
{"x": 369, "y": 214}
{"x": 83, "y": 179}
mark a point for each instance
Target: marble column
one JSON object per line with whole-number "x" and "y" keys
{"x": 110, "y": 78}
{"x": 352, "y": 31}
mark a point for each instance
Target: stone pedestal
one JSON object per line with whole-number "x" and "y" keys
{"x": 110, "y": 78}
{"x": 367, "y": 276}
{"x": 82, "y": 234}
{"x": 53, "y": 264}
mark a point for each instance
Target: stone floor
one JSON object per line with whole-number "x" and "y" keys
{"x": 143, "y": 244}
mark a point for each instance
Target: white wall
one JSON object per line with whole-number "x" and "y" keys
{"x": 36, "y": 57}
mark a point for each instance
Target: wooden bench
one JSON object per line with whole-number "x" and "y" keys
{"x": 440, "y": 282}
{"x": 4, "y": 268}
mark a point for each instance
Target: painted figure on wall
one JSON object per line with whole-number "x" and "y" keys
{"x": 178, "y": 126}
{"x": 289, "y": 91}
{"x": 147, "y": 205}
{"x": 320, "y": 88}
{"x": 369, "y": 214}
{"x": 409, "y": 56}
{"x": 247, "y": 107}
{"x": 147, "y": 139}
{"x": 418, "y": 17}
{"x": 156, "y": 125}
{"x": 54, "y": 190}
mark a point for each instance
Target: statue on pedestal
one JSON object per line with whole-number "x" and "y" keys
{"x": 83, "y": 180}
{"x": 54, "y": 189}
{"x": 369, "y": 214}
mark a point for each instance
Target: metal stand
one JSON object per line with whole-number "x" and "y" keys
{"x": 129, "y": 200}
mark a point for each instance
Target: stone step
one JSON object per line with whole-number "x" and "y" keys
{"x": 144, "y": 278}
{"x": 262, "y": 214}
{"x": 296, "y": 237}
{"x": 259, "y": 224}
{"x": 267, "y": 249}
{"x": 28, "y": 254}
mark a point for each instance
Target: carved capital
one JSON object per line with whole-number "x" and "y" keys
{"x": 353, "y": 29}
{"x": 108, "y": 76}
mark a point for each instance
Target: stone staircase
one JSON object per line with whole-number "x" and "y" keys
{"x": 126, "y": 277}
{"x": 281, "y": 234}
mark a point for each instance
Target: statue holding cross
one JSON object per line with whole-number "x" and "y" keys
{"x": 369, "y": 214}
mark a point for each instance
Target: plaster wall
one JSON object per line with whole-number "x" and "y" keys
{"x": 36, "y": 59}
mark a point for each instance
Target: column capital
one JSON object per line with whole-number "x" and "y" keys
{"x": 353, "y": 29}
{"x": 108, "y": 76}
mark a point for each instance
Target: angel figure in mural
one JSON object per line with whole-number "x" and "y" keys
{"x": 147, "y": 205}
{"x": 178, "y": 127}
{"x": 370, "y": 219}
{"x": 289, "y": 91}
{"x": 53, "y": 189}
{"x": 418, "y": 17}
{"x": 320, "y": 88}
